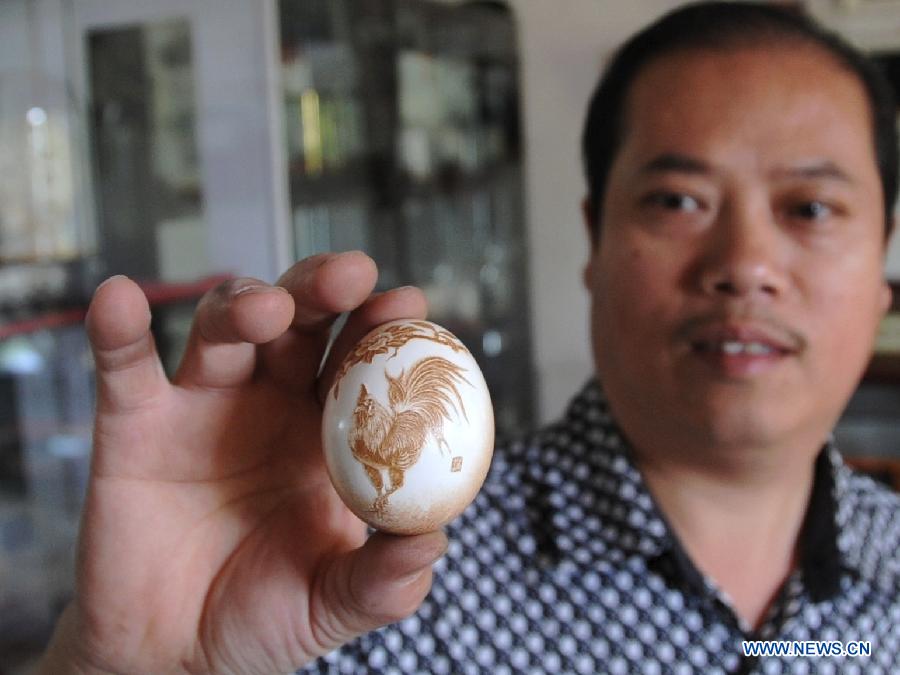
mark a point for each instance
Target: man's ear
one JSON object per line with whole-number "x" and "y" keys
{"x": 887, "y": 294}
{"x": 587, "y": 216}
{"x": 887, "y": 297}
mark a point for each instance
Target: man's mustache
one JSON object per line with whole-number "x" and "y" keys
{"x": 759, "y": 325}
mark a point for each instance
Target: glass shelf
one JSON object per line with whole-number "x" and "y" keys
{"x": 402, "y": 130}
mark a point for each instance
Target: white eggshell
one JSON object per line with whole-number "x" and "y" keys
{"x": 437, "y": 435}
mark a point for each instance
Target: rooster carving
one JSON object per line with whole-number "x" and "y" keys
{"x": 391, "y": 439}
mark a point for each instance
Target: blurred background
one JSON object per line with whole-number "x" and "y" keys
{"x": 185, "y": 141}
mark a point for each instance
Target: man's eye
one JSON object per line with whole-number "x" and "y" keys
{"x": 673, "y": 201}
{"x": 813, "y": 210}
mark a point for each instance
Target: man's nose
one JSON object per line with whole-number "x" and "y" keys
{"x": 745, "y": 254}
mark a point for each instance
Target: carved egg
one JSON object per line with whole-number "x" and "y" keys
{"x": 408, "y": 428}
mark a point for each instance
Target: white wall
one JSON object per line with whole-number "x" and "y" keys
{"x": 14, "y": 53}
{"x": 34, "y": 39}
{"x": 239, "y": 139}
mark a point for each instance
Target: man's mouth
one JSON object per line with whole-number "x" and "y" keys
{"x": 736, "y": 347}
{"x": 741, "y": 348}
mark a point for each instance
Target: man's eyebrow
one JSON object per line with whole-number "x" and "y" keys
{"x": 675, "y": 162}
{"x": 818, "y": 169}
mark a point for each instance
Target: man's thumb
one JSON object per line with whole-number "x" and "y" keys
{"x": 382, "y": 582}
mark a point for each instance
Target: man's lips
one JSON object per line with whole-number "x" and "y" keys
{"x": 740, "y": 345}
{"x": 746, "y": 339}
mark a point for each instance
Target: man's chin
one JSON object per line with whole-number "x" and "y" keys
{"x": 732, "y": 433}
{"x": 737, "y": 419}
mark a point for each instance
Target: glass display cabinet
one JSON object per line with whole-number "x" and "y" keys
{"x": 402, "y": 136}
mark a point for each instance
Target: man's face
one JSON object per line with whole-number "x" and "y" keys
{"x": 737, "y": 284}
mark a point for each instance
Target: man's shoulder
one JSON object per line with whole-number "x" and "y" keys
{"x": 870, "y": 492}
{"x": 870, "y": 515}
{"x": 870, "y": 499}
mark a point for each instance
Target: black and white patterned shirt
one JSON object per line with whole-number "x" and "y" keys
{"x": 564, "y": 564}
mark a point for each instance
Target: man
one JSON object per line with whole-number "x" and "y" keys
{"x": 742, "y": 169}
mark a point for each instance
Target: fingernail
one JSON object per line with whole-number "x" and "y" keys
{"x": 106, "y": 281}
{"x": 411, "y": 578}
{"x": 258, "y": 288}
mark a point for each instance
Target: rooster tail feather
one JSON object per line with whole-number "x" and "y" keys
{"x": 430, "y": 388}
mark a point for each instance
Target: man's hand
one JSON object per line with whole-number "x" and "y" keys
{"x": 212, "y": 540}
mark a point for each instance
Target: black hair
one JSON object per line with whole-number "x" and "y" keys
{"x": 724, "y": 26}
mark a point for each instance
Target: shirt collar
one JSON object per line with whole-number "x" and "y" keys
{"x": 820, "y": 558}
{"x": 866, "y": 544}
{"x": 636, "y": 524}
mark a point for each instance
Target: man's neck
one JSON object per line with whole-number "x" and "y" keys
{"x": 738, "y": 522}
